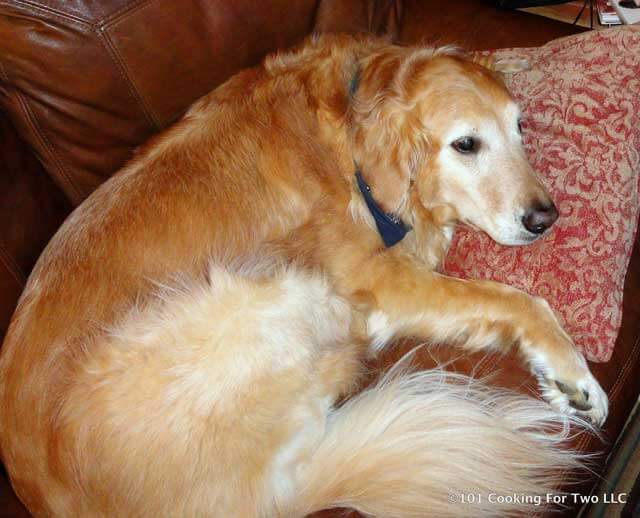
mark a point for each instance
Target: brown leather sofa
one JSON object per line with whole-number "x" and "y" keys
{"x": 83, "y": 82}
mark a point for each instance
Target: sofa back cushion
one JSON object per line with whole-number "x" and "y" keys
{"x": 86, "y": 81}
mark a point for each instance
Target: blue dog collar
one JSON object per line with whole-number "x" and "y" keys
{"x": 390, "y": 227}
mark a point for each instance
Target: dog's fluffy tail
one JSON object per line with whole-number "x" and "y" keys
{"x": 437, "y": 444}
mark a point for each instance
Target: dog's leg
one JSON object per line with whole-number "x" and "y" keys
{"x": 479, "y": 315}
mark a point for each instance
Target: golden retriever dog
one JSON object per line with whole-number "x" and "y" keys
{"x": 186, "y": 343}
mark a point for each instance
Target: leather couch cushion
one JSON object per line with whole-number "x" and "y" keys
{"x": 11, "y": 284}
{"x": 86, "y": 81}
{"x": 473, "y": 25}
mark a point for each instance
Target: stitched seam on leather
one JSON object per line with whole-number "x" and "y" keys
{"x": 122, "y": 69}
{"x": 49, "y": 148}
{"x": 613, "y": 393}
{"x": 25, "y": 4}
{"x": 112, "y": 21}
{"x": 114, "y": 17}
{"x": 15, "y": 271}
{"x": 32, "y": 121}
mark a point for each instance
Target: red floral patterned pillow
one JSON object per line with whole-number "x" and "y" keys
{"x": 581, "y": 124}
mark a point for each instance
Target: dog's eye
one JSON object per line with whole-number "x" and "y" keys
{"x": 520, "y": 126}
{"x": 465, "y": 145}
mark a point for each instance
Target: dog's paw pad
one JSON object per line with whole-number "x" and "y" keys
{"x": 578, "y": 399}
{"x": 584, "y": 398}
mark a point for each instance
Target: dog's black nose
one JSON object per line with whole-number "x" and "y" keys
{"x": 539, "y": 218}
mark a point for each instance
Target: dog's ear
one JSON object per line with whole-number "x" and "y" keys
{"x": 388, "y": 137}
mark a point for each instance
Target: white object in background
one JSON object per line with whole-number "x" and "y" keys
{"x": 607, "y": 14}
{"x": 628, "y": 16}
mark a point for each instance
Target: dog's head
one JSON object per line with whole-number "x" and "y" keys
{"x": 447, "y": 130}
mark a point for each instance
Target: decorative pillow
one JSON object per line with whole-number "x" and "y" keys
{"x": 581, "y": 124}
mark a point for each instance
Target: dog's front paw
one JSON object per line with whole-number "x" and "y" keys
{"x": 563, "y": 374}
{"x": 580, "y": 395}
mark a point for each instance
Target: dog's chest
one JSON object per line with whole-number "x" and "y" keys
{"x": 431, "y": 247}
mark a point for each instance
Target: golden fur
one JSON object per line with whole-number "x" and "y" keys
{"x": 183, "y": 339}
